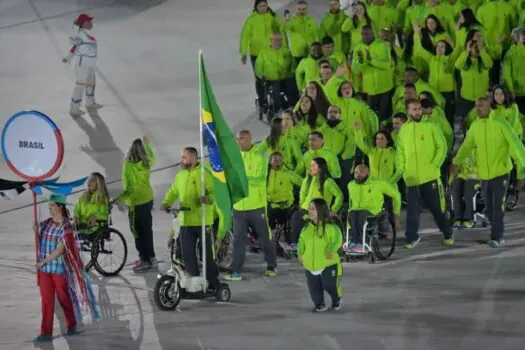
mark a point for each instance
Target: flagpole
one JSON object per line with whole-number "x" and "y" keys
{"x": 203, "y": 185}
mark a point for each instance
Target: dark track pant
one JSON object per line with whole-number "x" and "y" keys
{"x": 346, "y": 176}
{"x": 327, "y": 281}
{"x": 381, "y": 104}
{"x": 463, "y": 192}
{"x": 494, "y": 194}
{"x": 257, "y": 220}
{"x": 141, "y": 223}
{"x": 520, "y": 101}
{"x": 189, "y": 236}
{"x": 259, "y": 88}
{"x": 432, "y": 195}
{"x": 450, "y": 106}
{"x": 463, "y": 108}
{"x": 298, "y": 221}
{"x": 279, "y": 216}
{"x": 357, "y": 219}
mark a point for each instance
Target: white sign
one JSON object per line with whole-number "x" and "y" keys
{"x": 32, "y": 145}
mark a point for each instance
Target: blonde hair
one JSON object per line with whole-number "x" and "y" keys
{"x": 101, "y": 194}
{"x": 137, "y": 153}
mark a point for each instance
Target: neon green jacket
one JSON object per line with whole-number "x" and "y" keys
{"x": 498, "y": 18}
{"x": 87, "y": 207}
{"x": 186, "y": 189}
{"x": 383, "y": 17}
{"x": 514, "y": 70}
{"x": 256, "y": 168}
{"x": 302, "y": 31}
{"x": 512, "y": 116}
{"x": 495, "y": 144}
{"x": 469, "y": 169}
{"x": 382, "y": 161}
{"x": 378, "y": 72}
{"x": 421, "y": 150}
{"x": 288, "y": 147}
{"x": 336, "y": 59}
{"x": 331, "y": 25}
{"x": 274, "y": 64}
{"x": 475, "y": 78}
{"x": 256, "y": 32}
{"x": 441, "y": 68}
{"x": 280, "y": 187}
{"x": 302, "y": 129}
{"x": 306, "y": 71}
{"x": 354, "y": 32}
{"x": 415, "y": 13}
{"x": 438, "y": 116}
{"x": 314, "y": 245}
{"x": 339, "y": 139}
{"x": 421, "y": 85}
{"x": 326, "y": 154}
{"x": 331, "y": 193}
{"x": 352, "y": 109}
{"x": 370, "y": 195}
{"x": 136, "y": 180}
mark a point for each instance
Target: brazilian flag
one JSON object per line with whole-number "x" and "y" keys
{"x": 230, "y": 183}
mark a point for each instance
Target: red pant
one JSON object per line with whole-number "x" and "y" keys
{"x": 49, "y": 284}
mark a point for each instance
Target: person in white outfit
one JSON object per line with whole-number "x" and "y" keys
{"x": 85, "y": 51}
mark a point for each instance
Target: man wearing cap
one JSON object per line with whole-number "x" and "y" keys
{"x": 85, "y": 50}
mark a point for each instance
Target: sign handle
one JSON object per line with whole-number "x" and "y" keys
{"x": 35, "y": 229}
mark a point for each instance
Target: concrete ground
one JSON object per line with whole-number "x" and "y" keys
{"x": 465, "y": 297}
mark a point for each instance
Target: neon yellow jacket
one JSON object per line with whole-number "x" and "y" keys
{"x": 495, "y": 144}
{"x": 382, "y": 161}
{"x": 421, "y": 150}
{"x": 256, "y": 32}
{"x": 378, "y": 72}
{"x": 87, "y": 207}
{"x": 186, "y": 189}
{"x": 498, "y": 18}
{"x": 339, "y": 139}
{"x": 475, "y": 78}
{"x": 512, "y": 116}
{"x": 383, "y": 17}
{"x": 438, "y": 116}
{"x": 288, "y": 147}
{"x": 441, "y": 68}
{"x": 136, "y": 180}
{"x": 415, "y": 13}
{"x": 469, "y": 169}
{"x": 326, "y": 154}
{"x": 354, "y": 32}
{"x": 331, "y": 25}
{"x": 370, "y": 196}
{"x": 314, "y": 245}
{"x": 514, "y": 70}
{"x": 306, "y": 71}
{"x": 274, "y": 64}
{"x": 280, "y": 187}
{"x": 256, "y": 168}
{"x": 331, "y": 193}
{"x": 303, "y": 31}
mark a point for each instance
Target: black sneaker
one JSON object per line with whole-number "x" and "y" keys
{"x": 336, "y": 305}
{"x": 320, "y": 308}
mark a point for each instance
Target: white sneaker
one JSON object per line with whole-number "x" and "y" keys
{"x": 76, "y": 112}
{"x": 94, "y": 106}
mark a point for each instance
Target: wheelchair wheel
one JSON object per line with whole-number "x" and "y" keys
{"x": 513, "y": 198}
{"x": 384, "y": 239}
{"x": 223, "y": 256}
{"x": 167, "y": 293}
{"x": 109, "y": 252}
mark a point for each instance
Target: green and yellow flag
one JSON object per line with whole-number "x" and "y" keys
{"x": 230, "y": 183}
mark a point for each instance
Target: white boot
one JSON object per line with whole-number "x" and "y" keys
{"x": 74, "y": 111}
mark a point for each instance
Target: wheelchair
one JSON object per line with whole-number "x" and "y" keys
{"x": 268, "y": 107}
{"x": 106, "y": 246}
{"x": 478, "y": 204}
{"x": 375, "y": 241}
{"x": 283, "y": 229}
{"x": 513, "y": 193}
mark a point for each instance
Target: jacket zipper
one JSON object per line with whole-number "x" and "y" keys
{"x": 415, "y": 148}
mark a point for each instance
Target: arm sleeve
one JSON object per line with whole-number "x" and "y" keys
{"x": 507, "y": 72}
{"x": 102, "y": 211}
{"x": 295, "y": 179}
{"x": 333, "y": 164}
{"x": 360, "y": 141}
{"x": 259, "y": 65}
{"x": 127, "y": 182}
{"x": 421, "y": 52}
{"x": 303, "y": 192}
{"x": 485, "y": 59}
{"x": 263, "y": 147}
{"x": 462, "y": 59}
{"x": 300, "y": 75}
{"x": 392, "y": 192}
{"x": 400, "y": 157}
{"x": 336, "y": 239}
{"x": 172, "y": 195}
{"x": 296, "y": 153}
{"x": 334, "y": 189}
{"x": 246, "y": 33}
{"x": 261, "y": 170}
{"x": 151, "y": 155}
{"x": 441, "y": 145}
{"x": 301, "y": 247}
{"x": 517, "y": 150}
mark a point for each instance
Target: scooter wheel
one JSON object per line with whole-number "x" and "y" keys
{"x": 223, "y": 294}
{"x": 167, "y": 293}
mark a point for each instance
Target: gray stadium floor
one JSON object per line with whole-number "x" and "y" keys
{"x": 465, "y": 297}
